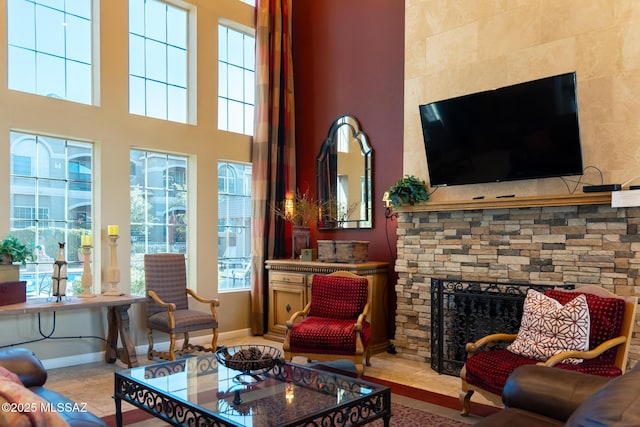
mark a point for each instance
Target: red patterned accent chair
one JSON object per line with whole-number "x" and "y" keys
{"x": 609, "y": 330}
{"x": 168, "y": 305}
{"x": 333, "y": 324}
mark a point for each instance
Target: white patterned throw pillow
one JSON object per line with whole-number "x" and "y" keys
{"x": 548, "y": 328}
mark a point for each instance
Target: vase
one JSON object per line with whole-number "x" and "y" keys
{"x": 300, "y": 237}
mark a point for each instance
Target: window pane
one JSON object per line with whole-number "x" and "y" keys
{"x": 156, "y": 100}
{"x": 222, "y": 43}
{"x": 176, "y": 23}
{"x": 81, "y": 9}
{"x": 136, "y": 55}
{"x": 223, "y": 114}
{"x": 177, "y": 63}
{"x": 136, "y": 17}
{"x": 22, "y": 72}
{"x": 236, "y": 51}
{"x": 50, "y": 76}
{"x": 236, "y": 83}
{"x": 20, "y": 24}
{"x": 79, "y": 82}
{"x": 78, "y": 39}
{"x": 177, "y": 104}
{"x": 156, "y": 20}
{"x": 50, "y": 31}
{"x": 234, "y": 226}
{"x": 236, "y": 117}
{"x": 156, "y": 60}
{"x": 137, "y": 95}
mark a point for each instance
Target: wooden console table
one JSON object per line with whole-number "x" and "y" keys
{"x": 117, "y": 319}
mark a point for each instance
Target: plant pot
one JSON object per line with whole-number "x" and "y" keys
{"x": 6, "y": 259}
{"x": 300, "y": 237}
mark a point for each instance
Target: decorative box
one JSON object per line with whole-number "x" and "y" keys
{"x": 13, "y": 292}
{"x": 9, "y": 273}
{"x": 349, "y": 251}
{"x": 309, "y": 255}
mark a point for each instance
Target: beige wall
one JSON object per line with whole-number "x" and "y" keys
{"x": 457, "y": 47}
{"x": 113, "y": 132}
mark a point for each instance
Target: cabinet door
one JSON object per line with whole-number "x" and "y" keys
{"x": 284, "y": 300}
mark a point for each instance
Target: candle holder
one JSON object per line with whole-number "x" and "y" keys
{"x": 87, "y": 278}
{"x": 59, "y": 277}
{"x": 113, "y": 272}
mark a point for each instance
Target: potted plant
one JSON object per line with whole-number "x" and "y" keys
{"x": 13, "y": 251}
{"x": 301, "y": 211}
{"x": 408, "y": 190}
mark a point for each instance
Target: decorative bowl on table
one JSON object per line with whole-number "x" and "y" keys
{"x": 249, "y": 359}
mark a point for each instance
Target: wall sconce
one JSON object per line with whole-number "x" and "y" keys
{"x": 288, "y": 207}
{"x": 388, "y": 210}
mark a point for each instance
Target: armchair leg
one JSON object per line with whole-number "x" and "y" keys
{"x": 150, "y": 350}
{"x": 185, "y": 343}
{"x": 172, "y": 347}
{"x": 367, "y": 357}
{"x": 359, "y": 369}
{"x": 214, "y": 340}
{"x": 465, "y": 401}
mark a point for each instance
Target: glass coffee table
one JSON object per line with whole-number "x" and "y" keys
{"x": 200, "y": 391}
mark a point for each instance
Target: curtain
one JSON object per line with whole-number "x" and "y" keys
{"x": 273, "y": 152}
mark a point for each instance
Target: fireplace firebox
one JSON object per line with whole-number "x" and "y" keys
{"x": 465, "y": 311}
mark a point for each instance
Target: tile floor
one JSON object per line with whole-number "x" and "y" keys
{"x": 93, "y": 382}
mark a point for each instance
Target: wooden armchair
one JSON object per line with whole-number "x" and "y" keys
{"x": 333, "y": 325}
{"x": 168, "y": 306}
{"x": 609, "y": 337}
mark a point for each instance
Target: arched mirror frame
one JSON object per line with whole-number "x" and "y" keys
{"x": 327, "y": 171}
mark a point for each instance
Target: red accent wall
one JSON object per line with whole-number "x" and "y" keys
{"x": 348, "y": 58}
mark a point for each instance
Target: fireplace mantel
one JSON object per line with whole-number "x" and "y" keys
{"x": 510, "y": 202}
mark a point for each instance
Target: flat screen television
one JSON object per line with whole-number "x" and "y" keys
{"x": 525, "y": 131}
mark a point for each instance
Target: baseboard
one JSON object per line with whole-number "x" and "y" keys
{"x": 141, "y": 350}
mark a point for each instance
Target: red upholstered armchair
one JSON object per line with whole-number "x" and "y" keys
{"x": 606, "y": 339}
{"x": 168, "y": 305}
{"x": 334, "y": 324}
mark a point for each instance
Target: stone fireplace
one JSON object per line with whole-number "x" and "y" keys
{"x": 573, "y": 240}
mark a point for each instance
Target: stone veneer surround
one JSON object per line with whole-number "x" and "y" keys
{"x": 581, "y": 245}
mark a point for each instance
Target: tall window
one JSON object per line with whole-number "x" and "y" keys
{"x": 158, "y": 62}
{"x": 234, "y": 226}
{"x": 236, "y": 84}
{"x": 51, "y": 202}
{"x": 50, "y": 48}
{"x": 158, "y": 209}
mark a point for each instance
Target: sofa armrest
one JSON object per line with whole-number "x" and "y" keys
{"x": 552, "y": 392}
{"x": 25, "y": 364}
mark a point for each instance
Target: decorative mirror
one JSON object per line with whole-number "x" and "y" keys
{"x": 343, "y": 177}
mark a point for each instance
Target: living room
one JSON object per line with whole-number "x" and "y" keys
{"x": 375, "y": 59}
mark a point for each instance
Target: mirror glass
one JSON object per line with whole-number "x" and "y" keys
{"x": 343, "y": 177}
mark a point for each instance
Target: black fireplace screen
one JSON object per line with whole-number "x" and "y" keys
{"x": 465, "y": 311}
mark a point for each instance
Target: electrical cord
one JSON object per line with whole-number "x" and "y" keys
{"x": 51, "y": 337}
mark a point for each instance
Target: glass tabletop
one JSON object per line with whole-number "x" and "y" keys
{"x": 283, "y": 395}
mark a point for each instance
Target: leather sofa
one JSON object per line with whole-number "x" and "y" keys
{"x": 29, "y": 369}
{"x": 542, "y": 396}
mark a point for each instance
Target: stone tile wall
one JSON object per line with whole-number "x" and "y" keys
{"x": 581, "y": 245}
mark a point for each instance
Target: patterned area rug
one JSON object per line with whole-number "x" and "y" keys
{"x": 403, "y": 416}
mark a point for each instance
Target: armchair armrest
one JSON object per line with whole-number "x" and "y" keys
{"x": 361, "y": 317}
{"x": 488, "y": 341}
{"x": 555, "y": 393}
{"x": 555, "y": 359}
{"x": 300, "y": 313}
{"x": 213, "y": 303}
{"x": 168, "y": 305}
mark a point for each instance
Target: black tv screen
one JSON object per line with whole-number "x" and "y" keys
{"x": 528, "y": 130}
